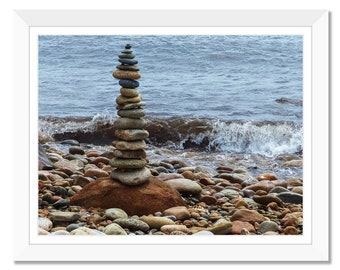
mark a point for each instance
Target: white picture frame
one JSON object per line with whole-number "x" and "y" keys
{"x": 314, "y": 246}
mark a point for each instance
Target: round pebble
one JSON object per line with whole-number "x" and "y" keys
{"x": 115, "y": 213}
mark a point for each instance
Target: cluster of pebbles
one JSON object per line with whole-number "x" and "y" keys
{"x": 220, "y": 201}
{"x": 130, "y": 156}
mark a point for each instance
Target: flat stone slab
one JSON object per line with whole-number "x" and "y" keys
{"x": 148, "y": 198}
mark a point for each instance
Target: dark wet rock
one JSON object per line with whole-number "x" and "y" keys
{"x": 290, "y": 197}
{"x": 70, "y": 142}
{"x": 44, "y": 161}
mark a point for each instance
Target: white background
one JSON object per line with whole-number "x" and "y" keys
{"x": 8, "y": 105}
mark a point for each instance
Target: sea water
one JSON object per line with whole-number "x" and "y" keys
{"x": 230, "y": 93}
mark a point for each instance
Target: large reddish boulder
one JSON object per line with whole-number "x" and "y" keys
{"x": 148, "y": 198}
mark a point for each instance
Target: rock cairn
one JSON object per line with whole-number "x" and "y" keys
{"x": 130, "y": 156}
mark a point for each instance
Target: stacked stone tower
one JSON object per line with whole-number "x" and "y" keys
{"x": 130, "y": 156}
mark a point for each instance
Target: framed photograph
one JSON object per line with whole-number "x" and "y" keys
{"x": 154, "y": 133}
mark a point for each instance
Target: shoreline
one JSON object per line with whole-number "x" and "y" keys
{"x": 237, "y": 195}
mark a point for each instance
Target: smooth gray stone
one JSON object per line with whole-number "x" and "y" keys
{"x": 126, "y": 51}
{"x": 70, "y": 142}
{"x": 290, "y": 197}
{"x": 129, "y": 123}
{"x": 127, "y": 67}
{"x": 126, "y": 83}
{"x": 278, "y": 189}
{"x": 131, "y": 178}
{"x": 114, "y": 213}
{"x": 268, "y": 226}
{"x": 44, "y": 161}
{"x": 126, "y": 55}
{"x": 128, "y": 61}
{"x": 114, "y": 229}
{"x": 132, "y": 113}
{"x": 133, "y": 224}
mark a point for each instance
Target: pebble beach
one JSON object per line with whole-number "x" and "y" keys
{"x": 219, "y": 200}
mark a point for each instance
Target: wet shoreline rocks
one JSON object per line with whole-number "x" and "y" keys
{"x": 218, "y": 207}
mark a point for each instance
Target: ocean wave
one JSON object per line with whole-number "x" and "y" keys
{"x": 265, "y": 137}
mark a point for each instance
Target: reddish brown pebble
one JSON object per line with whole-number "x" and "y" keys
{"x": 92, "y": 153}
{"x": 241, "y": 203}
{"x": 189, "y": 175}
{"x": 265, "y": 199}
{"x": 261, "y": 192}
{"x": 224, "y": 169}
{"x": 180, "y": 212}
{"x": 267, "y": 176}
{"x": 273, "y": 206}
{"x": 206, "y": 181}
{"x": 247, "y": 215}
{"x": 292, "y": 219}
{"x": 96, "y": 173}
{"x": 100, "y": 160}
{"x": 298, "y": 190}
{"x": 238, "y": 226}
{"x": 171, "y": 228}
{"x": 291, "y": 230}
{"x": 208, "y": 199}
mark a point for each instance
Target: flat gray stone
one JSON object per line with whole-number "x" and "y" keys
{"x": 127, "y": 55}
{"x": 132, "y": 113}
{"x": 127, "y": 67}
{"x": 128, "y": 123}
{"x": 60, "y": 216}
{"x": 133, "y": 177}
{"x": 186, "y": 186}
{"x": 290, "y": 197}
{"x": 133, "y": 224}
